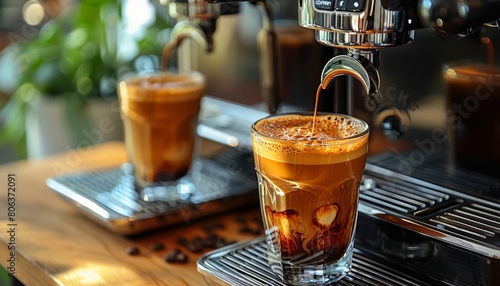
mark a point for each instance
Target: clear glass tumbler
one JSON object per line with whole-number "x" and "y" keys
{"x": 160, "y": 114}
{"x": 309, "y": 179}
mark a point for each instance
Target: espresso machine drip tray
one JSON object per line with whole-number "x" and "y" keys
{"x": 438, "y": 225}
{"x": 245, "y": 263}
{"x": 438, "y": 220}
{"x": 109, "y": 195}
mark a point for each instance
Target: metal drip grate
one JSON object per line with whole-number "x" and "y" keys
{"x": 439, "y": 171}
{"x": 110, "y": 195}
{"x": 474, "y": 220}
{"x": 459, "y": 217}
{"x": 399, "y": 195}
{"x": 245, "y": 263}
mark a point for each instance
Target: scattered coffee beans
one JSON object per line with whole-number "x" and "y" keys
{"x": 176, "y": 255}
{"x": 246, "y": 229}
{"x": 195, "y": 245}
{"x": 210, "y": 240}
{"x": 156, "y": 246}
{"x": 132, "y": 250}
{"x": 181, "y": 257}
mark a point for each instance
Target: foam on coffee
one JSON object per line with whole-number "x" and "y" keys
{"x": 290, "y": 138}
{"x": 163, "y": 87}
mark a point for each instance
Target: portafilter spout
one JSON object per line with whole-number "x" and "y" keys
{"x": 361, "y": 65}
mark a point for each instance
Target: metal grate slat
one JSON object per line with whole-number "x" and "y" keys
{"x": 245, "y": 263}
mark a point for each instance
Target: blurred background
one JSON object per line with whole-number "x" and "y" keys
{"x": 59, "y": 62}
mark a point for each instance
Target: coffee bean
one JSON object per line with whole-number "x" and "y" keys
{"x": 172, "y": 255}
{"x": 132, "y": 250}
{"x": 182, "y": 241}
{"x": 241, "y": 219}
{"x": 249, "y": 230}
{"x": 210, "y": 227}
{"x": 195, "y": 245}
{"x": 156, "y": 246}
{"x": 197, "y": 240}
{"x": 220, "y": 243}
{"x": 210, "y": 240}
{"x": 176, "y": 255}
{"x": 257, "y": 219}
{"x": 245, "y": 229}
{"x": 181, "y": 257}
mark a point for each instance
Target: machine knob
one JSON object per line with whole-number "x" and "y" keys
{"x": 392, "y": 127}
{"x": 391, "y": 118}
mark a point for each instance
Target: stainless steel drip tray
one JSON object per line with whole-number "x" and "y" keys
{"x": 245, "y": 263}
{"x": 466, "y": 221}
{"x": 434, "y": 227}
{"x": 109, "y": 196}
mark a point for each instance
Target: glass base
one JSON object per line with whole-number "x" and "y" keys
{"x": 168, "y": 192}
{"x": 311, "y": 274}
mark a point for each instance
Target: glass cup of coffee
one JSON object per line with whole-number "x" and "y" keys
{"x": 160, "y": 114}
{"x": 473, "y": 121}
{"x": 309, "y": 179}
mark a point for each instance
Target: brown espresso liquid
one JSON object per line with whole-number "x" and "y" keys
{"x": 309, "y": 186}
{"x": 160, "y": 114}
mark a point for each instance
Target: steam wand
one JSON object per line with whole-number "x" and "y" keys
{"x": 268, "y": 58}
{"x": 197, "y": 21}
{"x": 184, "y": 30}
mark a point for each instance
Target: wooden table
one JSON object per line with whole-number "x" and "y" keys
{"x": 56, "y": 244}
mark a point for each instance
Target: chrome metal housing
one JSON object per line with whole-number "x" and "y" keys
{"x": 373, "y": 26}
{"x": 199, "y": 9}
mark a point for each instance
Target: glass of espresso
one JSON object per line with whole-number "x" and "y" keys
{"x": 309, "y": 179}
{"x": 473, "y": 98}
{"x": 160, "y": 114}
